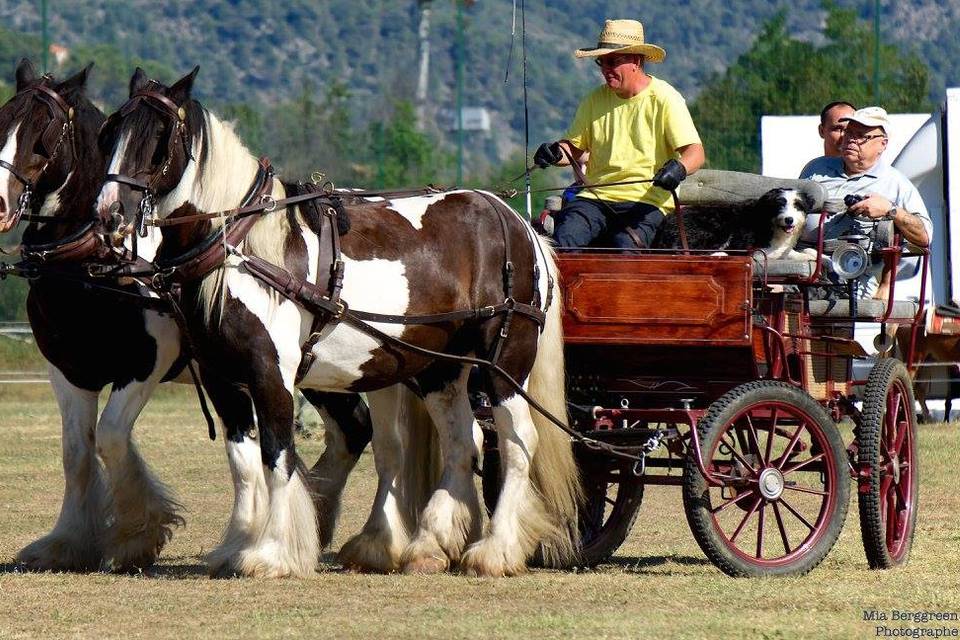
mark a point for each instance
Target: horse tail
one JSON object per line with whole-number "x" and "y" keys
{"x": 423, "y": 463}
{"x": 554, "y": 472}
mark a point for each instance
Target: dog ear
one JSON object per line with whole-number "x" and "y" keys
{"x": 807, "y": 201}
{"x": 771, "y": 201}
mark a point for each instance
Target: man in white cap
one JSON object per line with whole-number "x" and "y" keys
{"x": 889, "y": 195}
{"x": 637, "y": 130}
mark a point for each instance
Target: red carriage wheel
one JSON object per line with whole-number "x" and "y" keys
{"x": 785, "y": 488}
{"x": 888, "y": 474}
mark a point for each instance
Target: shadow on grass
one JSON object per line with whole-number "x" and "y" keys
{"x": 173, "y": 568}
{"x": 653, "y": 564}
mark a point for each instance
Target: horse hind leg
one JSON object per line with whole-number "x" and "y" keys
{"x": 143, "y": 512}
{"x": 403, "y": 438}
{"x": 347, "y": 431}
{"x": 452, "y": 517}
{"x": 74, "y": 543}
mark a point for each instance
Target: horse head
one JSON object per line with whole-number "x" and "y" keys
{"x": 153, "y": 143}
{"x": 48, "y": 133}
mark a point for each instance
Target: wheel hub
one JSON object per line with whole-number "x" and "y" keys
{"x": 771, "y": 483}
{"x": 895, "y": 467}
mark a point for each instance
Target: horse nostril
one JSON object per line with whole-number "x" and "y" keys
{"x": 3, "y": 205}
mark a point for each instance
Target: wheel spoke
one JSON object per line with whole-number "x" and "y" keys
{"x": 743, "y": 461}
{"x": 796, "y": 513}
{"x": 806, "y": 490}
{"x": 770, "y": 434}
{"x": 731, "y": 501}
{"x": 800, "y": 465}
{"x": 753, "y": 509}
{"x": 790, "y": 446}
{"x": 783, "y": 530}
{"x": 756, "y": 439}
{"x": 904, "y": 426}
{"x": 760, "y": 520}
{"x": 892, "y": 513}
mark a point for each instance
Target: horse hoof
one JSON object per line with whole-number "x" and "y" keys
{"x": 425, "y": 566}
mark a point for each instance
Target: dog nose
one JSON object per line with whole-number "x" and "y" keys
{"x": 788, "y": 220}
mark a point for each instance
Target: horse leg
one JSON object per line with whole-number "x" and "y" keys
{"x": 235, "y": 409}
{"x": 143, "y": 510}
{"x": 452, "y": 517}
{"x": 346, "y": 432}
{"x": 519, "y": 520}
{"x": 379, "y": 545}
{"x": 287, "y": 543}
{"x": 74, "y": 544}
{"x": 920, "y": 385}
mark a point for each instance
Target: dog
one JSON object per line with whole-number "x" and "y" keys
{"x": 772, "y": 223}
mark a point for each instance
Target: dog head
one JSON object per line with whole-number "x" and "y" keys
{"x": 788, "y": 209}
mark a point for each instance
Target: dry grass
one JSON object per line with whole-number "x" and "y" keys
{"x": 658, "y": 586}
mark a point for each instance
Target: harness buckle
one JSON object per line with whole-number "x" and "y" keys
{"x": 268, "y": 202}
{"x": 486, "y": 312}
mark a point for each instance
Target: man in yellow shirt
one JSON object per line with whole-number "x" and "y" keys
{"x": 631, "y": 126}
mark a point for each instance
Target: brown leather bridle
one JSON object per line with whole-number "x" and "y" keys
{"x": 53, "y": 136}
{"x": 177, "y": 115}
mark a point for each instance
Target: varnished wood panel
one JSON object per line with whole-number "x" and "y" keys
{"x": 655, "y": 299}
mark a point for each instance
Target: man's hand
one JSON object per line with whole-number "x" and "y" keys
{"x": 873, "y": 206}
{"x": 547, "y": 154}
{"x": 670, "y": 176}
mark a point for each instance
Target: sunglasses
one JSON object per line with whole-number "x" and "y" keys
{"x": 613, "y": 61}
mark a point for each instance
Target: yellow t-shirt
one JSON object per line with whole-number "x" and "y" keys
{"x": 630, "y": 139}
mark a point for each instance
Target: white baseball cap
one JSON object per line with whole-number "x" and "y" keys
{"x": 870, "y": 117}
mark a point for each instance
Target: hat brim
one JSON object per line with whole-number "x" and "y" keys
{"x": 867, "y": 122}
{"x": 651, "y": 52}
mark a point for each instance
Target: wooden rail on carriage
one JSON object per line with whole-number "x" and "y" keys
{"x": 739, "y": 377}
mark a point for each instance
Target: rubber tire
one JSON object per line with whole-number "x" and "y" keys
{"x": 883, "y": 376}
{"x": 617, "y": 523}
{"x": 696, "y": 493}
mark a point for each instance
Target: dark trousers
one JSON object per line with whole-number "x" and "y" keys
{"x": 586, "y": 221}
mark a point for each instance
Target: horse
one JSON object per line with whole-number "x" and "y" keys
{"x": 119, "y": 515}
{"x": 932, "y": 348}
{"x": 443, "y": 275}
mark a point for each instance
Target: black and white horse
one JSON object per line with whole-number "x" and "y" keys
{"x": 118, "y": 515}
{"x": 414, "y": 255}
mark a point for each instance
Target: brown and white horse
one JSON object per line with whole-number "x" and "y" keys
{"x": 418, "y": 255}
{"x": 118, "y": 515}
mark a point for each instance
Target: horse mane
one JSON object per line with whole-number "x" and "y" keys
{"x": 220, "y": 183}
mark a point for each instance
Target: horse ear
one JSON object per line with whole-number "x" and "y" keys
{"x": 78, "y": 81}
{"x": 26, "y": 74}
{"x": 138, "y": 81}
{"x": 180, "y": 91}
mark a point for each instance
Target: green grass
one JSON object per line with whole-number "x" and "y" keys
{"x": 658, "y": 585}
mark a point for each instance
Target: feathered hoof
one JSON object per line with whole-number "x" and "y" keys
{"x": 267, "y": 562}
{"x": 370, "y": 553}
{"x": 486, "y": 560}
{"x": 60, "y": 553}
{"x": 424, "y": 558}
{"x": 131, "y": 552}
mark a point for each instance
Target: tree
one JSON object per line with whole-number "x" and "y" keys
{"x": 781, "y": 75}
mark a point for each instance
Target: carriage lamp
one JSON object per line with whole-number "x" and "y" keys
{"x": 851, "y": 259}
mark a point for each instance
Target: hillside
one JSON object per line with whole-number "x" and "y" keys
{"x": 261, "y": 53}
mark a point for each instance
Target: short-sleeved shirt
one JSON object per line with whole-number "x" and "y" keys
{"x": 630, "y": 139}
{"x": 881, "y": 179}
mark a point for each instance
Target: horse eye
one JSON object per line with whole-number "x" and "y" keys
{"x": 39, "y": 148}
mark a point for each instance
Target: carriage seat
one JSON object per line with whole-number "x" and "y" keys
{"x": 868, "y": 309}
{"x": 717, "y": 187}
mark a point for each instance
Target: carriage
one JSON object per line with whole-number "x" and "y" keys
{"x": 724, "y": 375}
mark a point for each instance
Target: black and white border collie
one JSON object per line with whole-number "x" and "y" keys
{"x": 772, "y": 223}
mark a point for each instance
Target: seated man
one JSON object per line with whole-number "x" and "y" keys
{"x": 889, "y": 194}
{"x": 630, "y": 126}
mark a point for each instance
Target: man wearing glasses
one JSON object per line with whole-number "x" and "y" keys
{"x": 641, "y": 143}
{"x": 889, "y": 195}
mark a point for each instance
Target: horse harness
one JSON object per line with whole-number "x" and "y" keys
{"x": 52, "y": 138}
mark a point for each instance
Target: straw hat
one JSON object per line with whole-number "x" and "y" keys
{"x": 623, "y": 36}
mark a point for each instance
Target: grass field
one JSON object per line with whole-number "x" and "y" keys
{"x": 659, "y": 585}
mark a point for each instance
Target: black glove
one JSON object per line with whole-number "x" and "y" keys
{"x": 670, "y": 176}
{"x": 548, "y": 153}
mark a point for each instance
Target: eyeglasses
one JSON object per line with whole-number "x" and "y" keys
{"x": 861, "y": 140}
{"x": 612, "y": 61}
